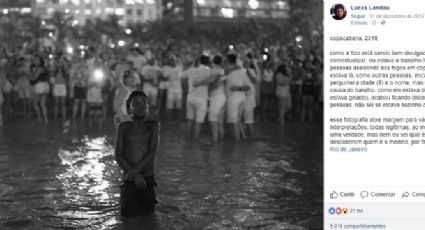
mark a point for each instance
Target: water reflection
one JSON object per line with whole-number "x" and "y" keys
{"x": 86, "y": 180}
{"x": 71, "y": 181}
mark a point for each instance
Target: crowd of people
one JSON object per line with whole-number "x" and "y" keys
{"x": 238, "y": 84}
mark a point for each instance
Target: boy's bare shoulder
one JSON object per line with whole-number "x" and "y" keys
{"x": 153, "y": 124}
{"x": 124, "y": 125}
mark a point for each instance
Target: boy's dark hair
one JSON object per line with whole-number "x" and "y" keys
{"x": 232, "y": 58}
{"x": 132, "y": 96}
{"x": 338, "y": 6}
{"x": 217, "y": 60}
{"x": 204, "y": 60}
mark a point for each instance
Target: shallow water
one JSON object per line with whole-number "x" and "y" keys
{"x": 51, "y": 178}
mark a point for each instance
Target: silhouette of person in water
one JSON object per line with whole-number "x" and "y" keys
{"x": 135, "y": 152}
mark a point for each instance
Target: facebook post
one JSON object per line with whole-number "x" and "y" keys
{"x": 374, "y": 121}
{"x": 163, "y": 114}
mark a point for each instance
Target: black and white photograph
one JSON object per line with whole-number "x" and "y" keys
{"x": 161, "y": 114}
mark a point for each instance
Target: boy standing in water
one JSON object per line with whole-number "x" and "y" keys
{"x": 135, "y": 152}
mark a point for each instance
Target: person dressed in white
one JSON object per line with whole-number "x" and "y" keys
{"x": 175, "y": 90}
{"x": 197, "y": 98}
{"x": 250, "y": 96}
{"x": 217, "y": 100}
{"x": 151, "y": 74}
{"x": 167, "y": 70}
{"x": 128, "y": 85}
{"x": 137, "y": 58}
{"x": 237, "y": 83}
{"x": 95, "y": 101}
{"x": 59, "y": 90}
{"x": 40, "y": 80}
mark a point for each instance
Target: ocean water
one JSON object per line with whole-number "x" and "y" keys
{"x": 56, "y": 177}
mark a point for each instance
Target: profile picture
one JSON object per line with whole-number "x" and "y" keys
{"x": 338, "y": 12}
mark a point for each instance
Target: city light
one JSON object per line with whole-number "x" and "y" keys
{"x": 98, "y": 75}
{"x": 67, "y": 11}
{"x": 128, "y": 31}
{"x": 50, "y": 34}
{"x": 265, "y": 57}
{"x": 129, "y": 2}
{"x": 231, "y": 47}
{"x": 81, "y": 47}
{"x": 119, "y": 11}
{"x": 109, "y": 11}
{"x": 266, "y": 50}
{"x": 150, "y": 1}
{"x": 201, "y": 2}
{"x": 75, "y": 22}
{"x": 280, "y": 4}
{"x": 298, "y": 38}
{"x": 25, "y": 10}
{"x": 227, "y": 12}
{"x": 121, "y": 43}
{"x": 70, "y": 50}
{"x": 83, "y": 53}
{"x": 112, "y": 46}
{"x": 254, "y": 4}
{"x": 76, "y": 2}
{"x": 206, "y": 52}
{"x": 5, "y": 11}
{"x": 50, "y": 56}
{"x": 43, "y": 23}
{"x": 136, "y": 44}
